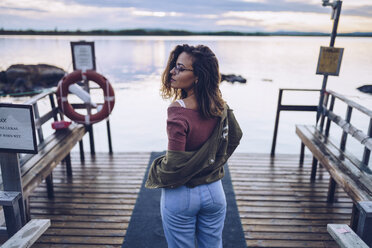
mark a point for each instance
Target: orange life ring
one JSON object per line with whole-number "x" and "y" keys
{"x": 77, "y": 76}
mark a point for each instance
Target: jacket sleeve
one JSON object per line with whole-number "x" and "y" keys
{"x": 234, "y": 134}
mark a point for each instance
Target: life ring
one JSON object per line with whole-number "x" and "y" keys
{"x": 77, "y": 76}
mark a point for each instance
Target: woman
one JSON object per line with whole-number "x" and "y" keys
{"x": 202, "y": 134}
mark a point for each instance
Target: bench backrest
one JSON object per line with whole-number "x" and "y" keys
{"x": 52, "y": 113}
{"x": 347, "y": 128}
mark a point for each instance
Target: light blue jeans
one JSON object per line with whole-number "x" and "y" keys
{"x": 194, "y": 215}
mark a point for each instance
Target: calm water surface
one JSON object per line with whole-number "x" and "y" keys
{"x": 134, "y": 65}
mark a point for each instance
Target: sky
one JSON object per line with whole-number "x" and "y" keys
{"x": 192, "y": 15}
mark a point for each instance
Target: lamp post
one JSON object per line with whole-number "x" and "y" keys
{"x": 336, "y": 11}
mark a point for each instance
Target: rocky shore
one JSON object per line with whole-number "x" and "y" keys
{"x": 22, "y": 78}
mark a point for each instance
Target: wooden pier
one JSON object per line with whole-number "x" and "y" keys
{"x": 278, "y": 205}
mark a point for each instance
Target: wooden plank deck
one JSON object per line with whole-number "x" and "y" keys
{"x": 278, "y": 205}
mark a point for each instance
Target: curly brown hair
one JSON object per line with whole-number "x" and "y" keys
{"x": 206, "y": 69}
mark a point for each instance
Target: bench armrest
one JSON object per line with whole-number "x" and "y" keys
{"x": 345, "y": 236}
{"x": 28, "y": 234}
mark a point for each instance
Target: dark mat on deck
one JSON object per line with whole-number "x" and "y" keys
{"x": 145, "y": 229}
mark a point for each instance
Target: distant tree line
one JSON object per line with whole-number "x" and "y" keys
{"x": 161, "y": 32}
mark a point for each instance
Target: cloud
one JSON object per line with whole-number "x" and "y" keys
{"x": 293, "y": 21}
{"x": 347, "y": 3}
{"x": 357, "y": 3}
{"x": 194, "y": 15}
{"x": 75, "y": 15}
{"x": 21, "y": 9}
{"x": 254, "y": 1}
{"x": 155, "y": 13}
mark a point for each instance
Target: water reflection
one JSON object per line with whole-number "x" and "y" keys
{"x": 138, "y": 120}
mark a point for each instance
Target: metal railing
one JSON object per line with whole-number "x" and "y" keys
{"x": 53, "y": 113}
{"x": 345, "y": 125}
{"x": 281, "y": 107}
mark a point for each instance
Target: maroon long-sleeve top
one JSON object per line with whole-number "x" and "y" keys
{"x": 187, "y": 130}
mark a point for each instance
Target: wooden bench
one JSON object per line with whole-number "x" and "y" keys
{"x": 28, "y": 234}
{"x": 345, "y": 237}
{"x": 56, "y": 147}
{"x": 346, "y": 170}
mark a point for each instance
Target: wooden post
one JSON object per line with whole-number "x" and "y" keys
{"x": 54, "y": 108}
{"x": 328, "y": 125}
{"x": 354, "y": 217}
{"x": 109, "y": 136}
{"x": 322, "y": 119}
{"x": 313, "y": 169}
{"x": 302, "y": 154}
{"x": 364, "y": 229}
{"x": 39, "y": 129}
{"x": 10, "y": 202}
{"x": 12, "y": 181}
{"x": 81, "y": 148}
{"x": 367, "y": 152}
{"x": 344, "y": 134}
{"x": 91, "y": 139}
{"x": 331, "y": 190}
{"x": 49, "y": 183}
{"x": 68, "y": 165}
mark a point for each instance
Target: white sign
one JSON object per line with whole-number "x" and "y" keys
{"x": 83, "y": 55}
{"x": 17, "y": 129}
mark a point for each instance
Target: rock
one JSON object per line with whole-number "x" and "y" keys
{"x": 267, "y": 80}
{"x": 22, "y": 78}
{"x": 366, "y": 88}
{"x": 233, "y": 78}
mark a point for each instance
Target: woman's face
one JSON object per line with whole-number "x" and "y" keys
{"x": 181, "y": 78}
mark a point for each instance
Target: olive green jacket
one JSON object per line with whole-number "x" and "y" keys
{"x": 193, "y": 168}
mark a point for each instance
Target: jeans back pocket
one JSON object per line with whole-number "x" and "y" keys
{"x": 176, "y": 200}
{"x": 217, "y": 193}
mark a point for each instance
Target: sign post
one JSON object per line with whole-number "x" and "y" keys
{"x": 336, "y": 11}
{"x": 83, "y": 58}
{"x": 17, "y": 135}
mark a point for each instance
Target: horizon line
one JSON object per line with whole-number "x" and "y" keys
{"x": 170, "y": 32}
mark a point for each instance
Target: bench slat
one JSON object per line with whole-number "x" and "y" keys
{"x": 345, "y": 236}
{"x": 42, "y": 168}
{"x": 26, "y": 157}
{"x": 350, "y": 129}
{"x": 51, "y": 141}
{"x": 346, "y": 161}
{"x": 28, "y": 234}
{"x": 46, "y": 117}
{"x": 321, "y": 151}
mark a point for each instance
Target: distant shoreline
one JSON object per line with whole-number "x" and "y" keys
{"x": 151, "y": 32}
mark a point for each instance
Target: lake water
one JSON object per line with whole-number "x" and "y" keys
{"x": 134, "y": 64}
